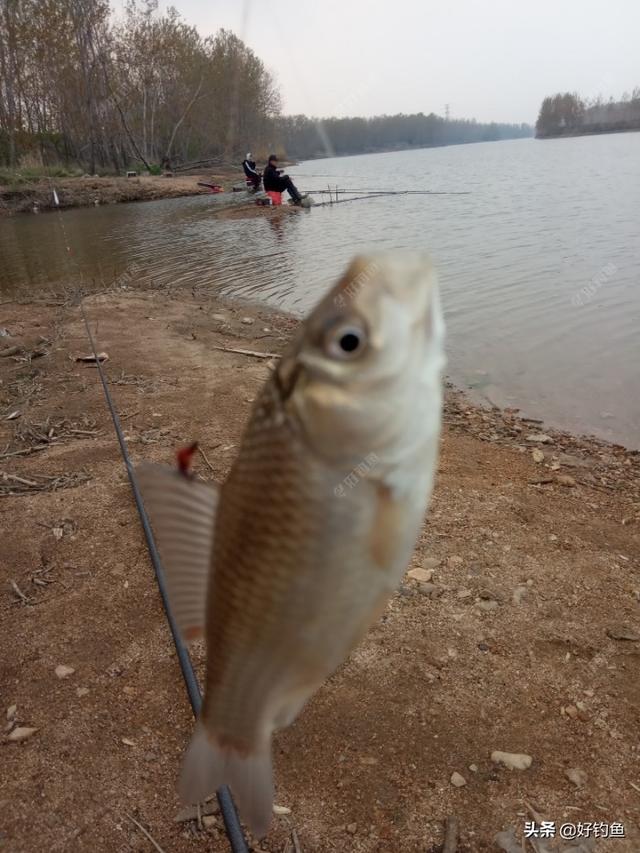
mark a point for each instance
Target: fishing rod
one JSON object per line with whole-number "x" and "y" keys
{"x": 385, "y": 192}
{"x": 228, "y": 810}
{"x": 344, "y": 200}
{"x": 225, "y": 800}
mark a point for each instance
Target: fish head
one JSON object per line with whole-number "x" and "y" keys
{"x": 363, "y": 378}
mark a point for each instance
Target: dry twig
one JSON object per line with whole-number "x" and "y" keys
{"x": 250, "y": 352}
{"x": 145, "y": 832}
{"x": 204, "y": 455}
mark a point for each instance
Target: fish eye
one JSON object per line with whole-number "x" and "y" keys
{"x": 345, "y": 340}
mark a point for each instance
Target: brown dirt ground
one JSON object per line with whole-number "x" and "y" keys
{"x": 449, "y": 674}
{"x": 86, "y": 191}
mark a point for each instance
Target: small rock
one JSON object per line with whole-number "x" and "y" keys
{"x": 540, "y": 438}
{"x": 209, "y": 820}
{"x": 538, "y": 455}
{"x": 519, "y": 593}
{"x": 571, "y": 711}
{"x": 82, "y": 691}
{"x": 423, "y": 575}
{"x": 623, "y": 632}
{"x": 431, "y": 590}
{"x": 489, "y": 594}
{"x": 431, "y": 563}
{"x": 454, "y": 561}
{"x": 507, "y": 841}
{"x": 369, "y": 760}
{"x": 464, "y": 593}
{"x": 21, "y": 733}
{"x": 473, "y": 768}
{"x": 512, "y": 760}
{"x": 578, "y": 777}
{"x": 566, "y": 480}
{"x": 248, "y": 321}
{"x": 128, "y": 742}
{"x": 281, "y": 809}
{"x": 488, "y": 606}
{"x": 457, "y": 780}
{"x": 63, "y": 671}
{"x": 484, "y": 647}
{"x": 11, "y": 711}
{"x": 352, "y": 828}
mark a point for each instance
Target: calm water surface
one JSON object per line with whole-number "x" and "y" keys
{"x": 539, "y": 263}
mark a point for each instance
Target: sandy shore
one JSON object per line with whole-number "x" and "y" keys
{"x": 89, "y": 191}
{"x": 520, "y": 632}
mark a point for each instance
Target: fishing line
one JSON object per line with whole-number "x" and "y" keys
{"x": 225, "y": 800}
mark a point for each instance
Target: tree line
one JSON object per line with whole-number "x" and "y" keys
{"x": 82, "y": 89}
{"x": 77, "y": 87}
{"x": 304, "y": 137}
{"x": 567, "y": 114}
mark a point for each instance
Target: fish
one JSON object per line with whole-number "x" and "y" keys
{"x": 283, "y": 568}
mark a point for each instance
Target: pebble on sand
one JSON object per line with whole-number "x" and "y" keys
{"x": 519, "y": 593}
{"x": 577, "y": 776}
{"x": 538, "y": 455}
{"x": 457, "y": 780}
{"x": 512, "y": 760}
{"x": 539, "y": 438}
{"x": 623, "y": 632}
{"x": 431, "y": 590}
{"x": 63, "y": 671}
{"x": 423, "y": 575}
{"x": 11, "y": 711}
{"x": 566, "y": 480}
{"x": 21, "y": 733}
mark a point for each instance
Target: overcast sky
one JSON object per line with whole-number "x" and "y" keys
{"x": 490, "y": 59}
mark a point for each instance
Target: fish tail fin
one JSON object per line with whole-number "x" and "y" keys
{"x": 208, "y": 765}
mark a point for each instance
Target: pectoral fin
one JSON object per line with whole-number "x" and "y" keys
{"x": 182, "y": 513}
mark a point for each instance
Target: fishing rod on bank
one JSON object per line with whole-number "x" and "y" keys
{"x": 231, "y": 821}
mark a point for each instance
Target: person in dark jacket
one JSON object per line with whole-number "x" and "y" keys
{"x": 251, "y": 172}
{"x": 276, "y": 181}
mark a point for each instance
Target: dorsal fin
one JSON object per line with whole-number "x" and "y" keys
{"x": 182, "y": 513}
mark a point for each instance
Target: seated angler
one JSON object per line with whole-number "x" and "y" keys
{"x": 251, "y": 173}
{"x": 276, "y": 181}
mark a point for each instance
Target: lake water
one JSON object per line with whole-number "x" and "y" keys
{"x": 539, "y": 262}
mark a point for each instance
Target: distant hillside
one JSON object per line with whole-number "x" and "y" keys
{"x": 304, "y": 137}
{"x": 568, "y": 115}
